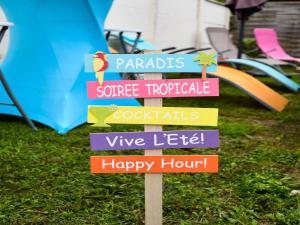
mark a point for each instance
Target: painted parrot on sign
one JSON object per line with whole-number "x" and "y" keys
{"x": 100, "y": 64}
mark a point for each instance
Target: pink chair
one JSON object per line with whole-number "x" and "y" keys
{"x": 267, "y": 41}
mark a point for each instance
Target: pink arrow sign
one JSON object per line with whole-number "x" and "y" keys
{"x": 154, "y": 88}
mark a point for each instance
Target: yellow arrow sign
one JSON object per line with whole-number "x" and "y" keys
{"x": 103, "y": 115}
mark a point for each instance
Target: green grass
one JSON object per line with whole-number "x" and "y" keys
{"x": 45, "y": 178}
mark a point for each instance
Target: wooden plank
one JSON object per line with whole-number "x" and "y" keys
{"x": 149, "y": 63}
{"x": 155, "y": 164}
{"x": 103, "y": 115}
{"x": 172, "y": 88}
{"x": 154, "y": 140}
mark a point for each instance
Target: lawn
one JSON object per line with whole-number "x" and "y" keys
{"x": 45, "y": 178}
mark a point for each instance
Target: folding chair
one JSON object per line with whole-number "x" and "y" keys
{"x": 220, "y": 40}
{"x": 267, "y": 41}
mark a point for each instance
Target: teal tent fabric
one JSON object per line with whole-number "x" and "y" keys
{"x": 45, "y": 62}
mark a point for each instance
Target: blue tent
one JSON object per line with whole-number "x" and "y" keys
{"x": 45, "y": 62}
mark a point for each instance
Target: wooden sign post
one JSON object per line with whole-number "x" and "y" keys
{"x": 153, "y": 115}
{"x": 153, "y": 182}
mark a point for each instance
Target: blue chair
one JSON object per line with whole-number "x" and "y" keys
{"x": 45, "y": 61}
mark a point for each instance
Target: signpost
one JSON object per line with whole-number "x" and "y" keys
{"x": 153, "y": 182}
{"x": 153, "y": 116}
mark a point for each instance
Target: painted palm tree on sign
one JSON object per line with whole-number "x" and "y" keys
{"x": 205, "y": 60}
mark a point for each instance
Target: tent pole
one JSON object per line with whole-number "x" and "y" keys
{"x": 15, "y": 102}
